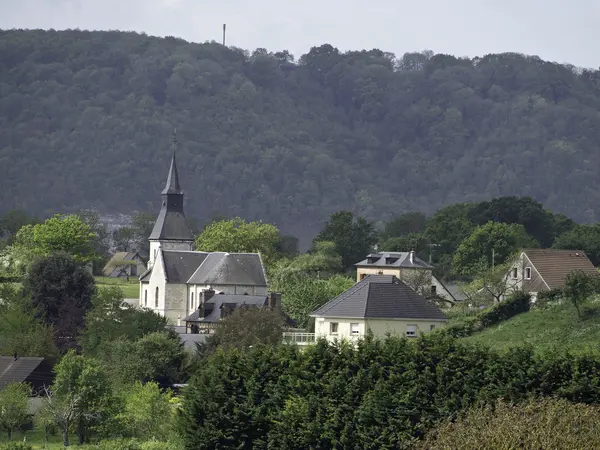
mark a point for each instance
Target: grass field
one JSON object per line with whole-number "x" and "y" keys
{"x": 35, "y": 438}
{"x": 131, "y": 288}
{"x": 554, "y": 327}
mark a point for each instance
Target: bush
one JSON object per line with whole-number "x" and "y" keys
{"x": 158, "y": 445}
{"x": 547, "y": 423}
{"x": 517, "y": 303}
{"x": 119, "y": 444}
{"x": 15, "y": 446}
{"x": 464, "y": 328}
{"x": 545, "y": 297}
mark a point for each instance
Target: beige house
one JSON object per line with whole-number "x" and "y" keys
{"x": 539, "y": 270}
{"x": 380, "y": 304}
{"x": 406, "y": 266}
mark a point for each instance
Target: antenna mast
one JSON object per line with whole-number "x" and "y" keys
{"x": 224, "y": 29}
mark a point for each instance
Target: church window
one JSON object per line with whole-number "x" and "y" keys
{"x": 145, "y": 297}
{"x": 156, "y": 298}
{"x": 192, "y": 301}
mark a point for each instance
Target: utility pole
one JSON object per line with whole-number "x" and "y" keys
{"x": 431, "y": 250}
{"x": 224, "y": 30}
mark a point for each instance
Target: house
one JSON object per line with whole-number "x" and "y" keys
{"x": 409, "y": 268}
{"x": 539, "y": 270}
{"x": 215, "y": 307}
{"x": 380, "y": 304}
{"x": 176, "y": 278}
{"x": 35, "y": 371}
{"x": 125, "y": 265}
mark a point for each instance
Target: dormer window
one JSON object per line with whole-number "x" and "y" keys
{"x": 372, "y": 259}
{"x": 528, "y": 273}
{"x": 390, "y": 260}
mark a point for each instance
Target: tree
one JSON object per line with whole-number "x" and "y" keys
{"x": 67, "y": 234}
{"x": 352, "y": 236}
{"x": 147, "y": 412}
{"x": 109, "y": 320}
{"x": 405, "y": 224}
{"x": 578, "y": 287}
{"x": 80, "y": 395}
{"x": 321, "y": 262}
{"x": 20, "y": 332}
{"x": 582, "y": 237}
{"x": 303, "y": 294}
{"x": 489, "y": 245}
{"x": 142, "y": 224}
{"x": 492, "y": 284}
{"x": 247, "y": 327}
{"x": 157, "y": 356}
{"x": 124, "y": 239}
{"x": 14, "y": 412}
{"x": 60, "y": 292}
{"x": 237, "y": 235}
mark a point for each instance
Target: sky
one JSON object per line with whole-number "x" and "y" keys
{"x": 550, "y": 29}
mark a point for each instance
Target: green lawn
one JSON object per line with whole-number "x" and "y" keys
{"x": 554, "y": 327}
{"x": 131, "y": 288}
{"x": 35, "y": 438}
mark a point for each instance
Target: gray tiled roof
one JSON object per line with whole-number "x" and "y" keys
{"x": 230, "y": 269}
{"x": 393, "y": 259}
{"x": 18, "y": 371}
{"x": 234, "y": 301}
{"x": 180, "y": 265}
{"x": 380, "y": 297}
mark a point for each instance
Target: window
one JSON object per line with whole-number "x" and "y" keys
{"x": 362, "y": 276}
{"x": 333, "y": 328}
{"x": 528, "y": 273}
{"x": 156, "y": 297}
{"x": 145, "y": 297}
{"x": 411, "y": 330}
{"x": 431, "y": 327}
{"x": 354, "y": 328}
{"x": 514, "y": 273}
{"x": 192, "y": 301}
{"x": 433, "y": 290}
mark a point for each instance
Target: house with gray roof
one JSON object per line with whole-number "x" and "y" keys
{"x": 380, "y": 304}
{"x": 406, "y": 266}
{"x": 177, "y": 276}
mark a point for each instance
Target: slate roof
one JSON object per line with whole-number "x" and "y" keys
{"x": 230, "y": 269}
{"x": 553, "y": 266}
{"x": 180, "y": 265}
{"x": 114, "y": 265}
{"x": 380, "y": 297}
{"x": 18, "y": 371}
{"x": 232, "y": 301}
{"x": 170, "y": 223}
{"x": 393, "y": 259}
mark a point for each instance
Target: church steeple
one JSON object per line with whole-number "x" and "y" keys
{"x": 170, "y": 229}
{"x": 172, "y": 186}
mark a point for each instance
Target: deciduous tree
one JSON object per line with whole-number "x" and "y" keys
{"x": 237, "y": 235}
{"x": 14, "y": 407}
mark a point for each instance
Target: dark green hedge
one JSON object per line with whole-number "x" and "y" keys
{"x": 380, "y": 396}
{"x": 517, "y": 303}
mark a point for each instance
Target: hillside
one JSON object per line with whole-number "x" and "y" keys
{"x": 556, "y": 327}
{"x": 86, "y": 121}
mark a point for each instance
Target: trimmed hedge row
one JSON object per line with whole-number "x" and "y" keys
{"x": 517, "y": 303}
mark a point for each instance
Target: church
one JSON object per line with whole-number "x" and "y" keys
{"x": 177, "y": 278}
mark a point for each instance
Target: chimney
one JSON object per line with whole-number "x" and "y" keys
{"x": 274, "y": 301}
{"x": 412, "y": 256}
{"x": 208, "y": 294}
{"x": 15, "y": 356}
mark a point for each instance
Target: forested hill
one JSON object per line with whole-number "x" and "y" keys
{"x": 86, "y": 121}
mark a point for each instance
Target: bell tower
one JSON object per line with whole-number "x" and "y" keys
{"x": 170, "y": 230}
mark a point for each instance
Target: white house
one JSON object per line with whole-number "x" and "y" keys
{"x": 381, "y": 304}
{"x": 177, "y": 276}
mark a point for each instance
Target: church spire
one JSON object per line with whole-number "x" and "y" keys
{"x": 172, "y": 186}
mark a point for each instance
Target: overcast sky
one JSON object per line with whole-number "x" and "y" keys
{"x": 548, "y": 28}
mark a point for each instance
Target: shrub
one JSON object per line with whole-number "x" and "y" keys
{"x": 464, "y": 328}
{"x": 15, "y": 446}
{"x": 158, "y": 445}
{"x": 118, "y": 444}
{"x": 545, "y": 297}
{"x": 546, "y": 423}
{"x": 517, "y": 303}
